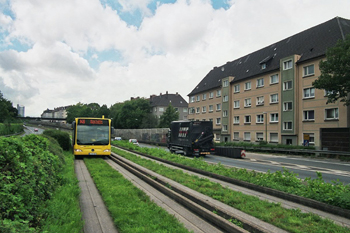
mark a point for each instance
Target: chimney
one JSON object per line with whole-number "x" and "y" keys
{"x": 177, "y": 93}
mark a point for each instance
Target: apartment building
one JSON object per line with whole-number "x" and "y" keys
{"x": 268, "y": 95}
{"x": 160, "y": 103}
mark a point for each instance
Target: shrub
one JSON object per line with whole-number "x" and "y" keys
{"x": 62, "y": 138}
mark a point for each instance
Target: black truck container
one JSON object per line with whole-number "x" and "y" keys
{"x": 191, "y": 137}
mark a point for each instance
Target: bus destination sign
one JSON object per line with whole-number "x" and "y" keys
{"x": 92, "y": 122}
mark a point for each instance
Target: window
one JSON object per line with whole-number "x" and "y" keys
{"x": 236, "y": 88}
{"x": 287, "y": 106}
{"x": 161, "y": 109}
{"x": 274, "y": 117}
{"x": 236, "y": 136}
{"x": 247, "y": 136}
{"x": 211, "y": 95}
{"x": 287, "y": 125}
{"x": 274, "y": 98}
{"x": 260, "y": 82}
{"x": 247, "y": 102}
{"x": 260, "y": 100}
{"x": 309, "y": 70}
{"x": 225, "y": 98}
{"x": 287, "y": 65}
{"x": 198, "y": 98}
{"x": 211, "y": 108}
{"x": 191, "y": 110}
{"x": 204, "y": 109}
{"x": 218, "y": 93}
{"x": 236, "y": 120}
{"x": 273, "y": 137}
{"x": 247, "y": 86}
{"x": 287, "y": 85}
{"x": 224, "y": 113}
{"x": 210, "y": 119}
{"x": 197, "y": 109}
{"x": 192, "y": 99}
{"x": 263, "y": 66}
{"x": 259, "y": 136}
{"x": 184, "y": 110}
{"x": 247, "y": 119}
{"x": 218, "y": 107}
{"x": 309, "y": 115}
{"x": 332, "y": 113}
{"x": 218, "y": 121}
{"x": 225, "y": 83}
{"x": 236, "y": 104}
{"x": 224, "y": 128}
{"x": 204, "y": 96}
{"x": 309, "y": 93}
{"x": 260, "y": 118}
{"x": 274, "y": 79}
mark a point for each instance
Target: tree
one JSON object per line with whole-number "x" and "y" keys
{"x": 335, "y": 72}
{"x": 131, "y": 114}
{"x": 149, "y": 121}
{"x": 7, "y": 111}
{"x": 168, "y": 116}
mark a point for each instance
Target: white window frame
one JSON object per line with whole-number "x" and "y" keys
{"x": 272, "y": 99}
{"x": 306, "y": 115}
{"x": 225, "y": 83}
{"x": 198, "y": 109}
{"x": 260, "y": 100}
{"x": 236, "y": 104}
{"x": 161, "y": 109}
{"x": 204, "y": 97}
{"x": 286, "y": 106}
{"x": 309, "y": 93}
{"x": 247, "y": 102}
{"x": 260, "y": 82}
{"x": 247, "y": 87}
{"x": 260, "y": 118}
{"x": 288, "y": 64}
{"x": 336, "y": 113}
{"x": 286, "y": 125}
{"x": 204, "y": 109}
{"x": 259, "y": 136}
{"x": 218, "y": 93}
{"x": 272, "y": 77}
{"x": 211, "y": 108}
{"x": 236, "y": 120}
{"x": 211, "y": 95}
{"x": 273, "y": 137}
{"x": 236, "y": 88}
{"x": 288, "y": 85}
{"x": 193, "y": 98}
{"x": 184, "y": 110}
{"x": 224, "y": 113}
{"x": 247, "y": 117}
{"x": 225, "y": 98}
{"x": 236, "y": 136}
{"x": 224, "y": 128}
{"x": 218, "y": 107}
{"x": 218, "y": 121}
{"x": 247, "y": 136}
{"x": 273, "y": 117}
{"x": 307, "y": 71}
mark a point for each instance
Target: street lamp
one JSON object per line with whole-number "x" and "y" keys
{"x": 265, "y": 113}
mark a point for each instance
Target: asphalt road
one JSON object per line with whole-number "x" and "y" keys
{"x": 331, "y": 169}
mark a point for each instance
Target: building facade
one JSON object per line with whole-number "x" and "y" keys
{"x": 268, "y": 95}
{"x": 160, "y": 103}
{"x": 21, "y": 110}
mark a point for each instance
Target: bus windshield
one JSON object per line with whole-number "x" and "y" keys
{"x": 92, "y": 134}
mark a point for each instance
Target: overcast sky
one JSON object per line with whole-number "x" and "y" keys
{"x": 60, "y": 52}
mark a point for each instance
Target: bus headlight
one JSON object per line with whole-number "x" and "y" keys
{"x": 108, "y": 150}
{"x": 78, "y": 150}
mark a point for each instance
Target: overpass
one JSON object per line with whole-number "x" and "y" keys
{"x": 42, "y": 118}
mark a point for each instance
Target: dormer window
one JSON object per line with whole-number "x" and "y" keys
{"x": 263, "y": 66}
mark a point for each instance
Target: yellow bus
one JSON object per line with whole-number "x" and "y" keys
{"x": 92, "y": 136}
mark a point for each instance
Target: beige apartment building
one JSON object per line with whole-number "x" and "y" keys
{"x": 268, "y": 95}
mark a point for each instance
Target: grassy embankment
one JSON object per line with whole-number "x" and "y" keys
{"x": 10, "y": 128}
{"x": 290, "y": 220}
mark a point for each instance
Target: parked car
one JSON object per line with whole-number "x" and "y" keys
{"x": 118, "y": 138}
{"x": 134, "y": 141}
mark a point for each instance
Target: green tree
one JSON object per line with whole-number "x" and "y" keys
{"x": 168, "y": 116}
{"x": 335, "y": 72}
{"x": 7, "y": 111}
{"x": 149, "y": 121}
{"x": 131, "y": 114}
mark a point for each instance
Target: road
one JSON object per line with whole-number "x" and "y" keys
{"x": 331, "y": 169}
{"x": 31, "y": 130}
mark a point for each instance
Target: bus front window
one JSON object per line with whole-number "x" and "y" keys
{"x": 92, "y": 135}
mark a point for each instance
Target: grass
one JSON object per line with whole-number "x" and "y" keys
{"x": 335, "y": 193}
{"x": 289, "y": 219}
{"x": 131, "y": 209}
{"x": 63, "y": 210}
{"x": 10, "y": 128}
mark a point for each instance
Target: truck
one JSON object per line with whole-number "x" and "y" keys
{"x": 191, "y": 138}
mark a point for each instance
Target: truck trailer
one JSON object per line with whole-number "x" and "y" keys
{"x": 191, "y": 137}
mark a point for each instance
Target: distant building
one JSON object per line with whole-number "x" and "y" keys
{"x": 20, "y": 110}
{"x": 160, "y": 103}
{"x": 59, "y": 112}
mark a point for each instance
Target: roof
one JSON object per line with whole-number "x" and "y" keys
{"x": 176, "y": 100}
{"x": 309, "y": 44}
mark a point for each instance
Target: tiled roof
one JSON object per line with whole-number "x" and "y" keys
{"x": 176, "y": 100}
{"x": 309, "y": 44}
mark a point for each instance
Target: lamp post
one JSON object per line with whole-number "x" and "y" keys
{"x": 265, "y": 113}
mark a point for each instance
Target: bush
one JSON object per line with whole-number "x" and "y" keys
{"x": 62, "y": 138}
{"x": 29, "y": 174}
